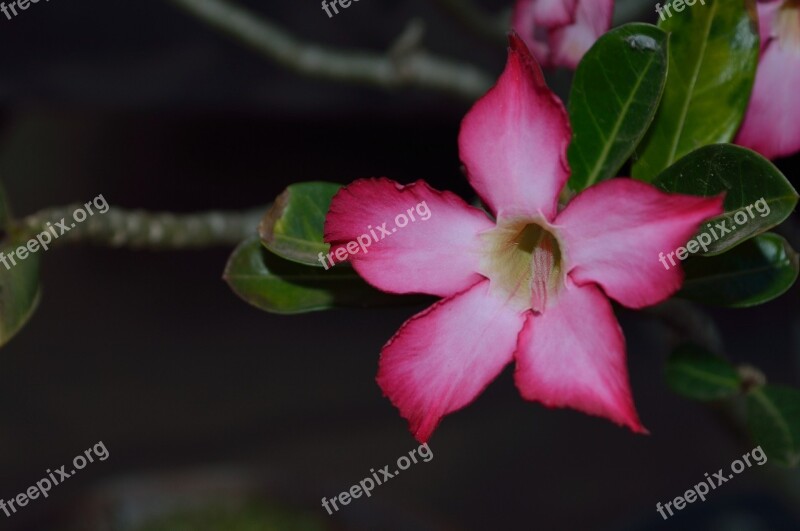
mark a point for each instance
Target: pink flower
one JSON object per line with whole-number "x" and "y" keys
{"x": 559, "y": 32}
{"x": 531, "y": 284}
{"x": 772, "y": 123}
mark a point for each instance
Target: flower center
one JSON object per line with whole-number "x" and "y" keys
{"x": 787, "y": 24}
{"x": 524, "y": 263}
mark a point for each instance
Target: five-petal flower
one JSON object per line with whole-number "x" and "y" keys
{"x": 530, "y": 285}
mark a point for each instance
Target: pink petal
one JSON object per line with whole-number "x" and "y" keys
{"x": 570, "y": 43}
{"x": 513, "y": 141}
{"x": 437, "y": 255}
{"x": 573, "y": 355}
{"x": 614, "y": 231}
{"x": 772, "y": 123}
{"x": 442, "y": 358}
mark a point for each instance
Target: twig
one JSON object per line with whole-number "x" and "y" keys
{"x": 139, "y": 229}
{"x": 418, "y": 69}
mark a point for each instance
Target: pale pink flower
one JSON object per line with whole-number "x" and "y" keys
{"x": 772, "y": 123}
{"x": 559, "y": 32}
{"x": 529, "y": 284}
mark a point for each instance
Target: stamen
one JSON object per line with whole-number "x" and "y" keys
{"x": 523, "y": 261}
{"x": 544, "y": 280}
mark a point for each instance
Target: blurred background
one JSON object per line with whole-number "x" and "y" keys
{"x": 205, "y": 402}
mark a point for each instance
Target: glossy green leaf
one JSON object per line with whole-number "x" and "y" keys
{"x": 757, "y": 195}
{"x": 713, "y": 53}
{"x": 752, "y": 273}
{"x": 773, "y": 416}
{"x": 695, "y": 373}
{"x": 271, "y": 283}
{"x": 615, "y": 94}
{"x": 293, "y": 227}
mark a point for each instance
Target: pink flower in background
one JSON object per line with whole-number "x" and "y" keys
{"x": 772, "y": 123}
{"x": 559, "y": 32}
{"x": 530, "y": 285}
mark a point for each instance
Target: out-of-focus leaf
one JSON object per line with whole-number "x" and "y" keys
{"x": 773, "y": 416}
{"x": 695, "y": 373}
{"x": 752, "y": 273}
{"x": 293, "y": 227}
{"x": 713, "y": 53}
{"x": 19, "y": 279}
{"x": 19, "y": 290}
{"x": 746, "y": 178}
{"x": 614, "y": 97}
{"x": 271, "y": 283}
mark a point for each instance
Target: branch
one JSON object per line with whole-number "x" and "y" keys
{"x": 139, "y": 229}
{"x": 415, "y": 68}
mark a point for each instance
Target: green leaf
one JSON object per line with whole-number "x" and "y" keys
{"x": 773, "y": 416}
{"x": 293, "y": 227}
{"x": 746, "y": 178}
{"x": 695, "y": 373}
{"x": 713, "y": 53}
{"x": 19, "y": 290}
{"x": 280, "y": 286}
{"x": 614, "y": 98}
{"x": 753, "y": 273}
{"x": 19, "y": 279}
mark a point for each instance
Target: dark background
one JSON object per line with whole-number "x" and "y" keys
{"x": 186, "y": 385}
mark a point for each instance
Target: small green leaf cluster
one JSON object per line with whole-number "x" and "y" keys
{"x": 772, "y": 411}
{"x": 279, "y": 271}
